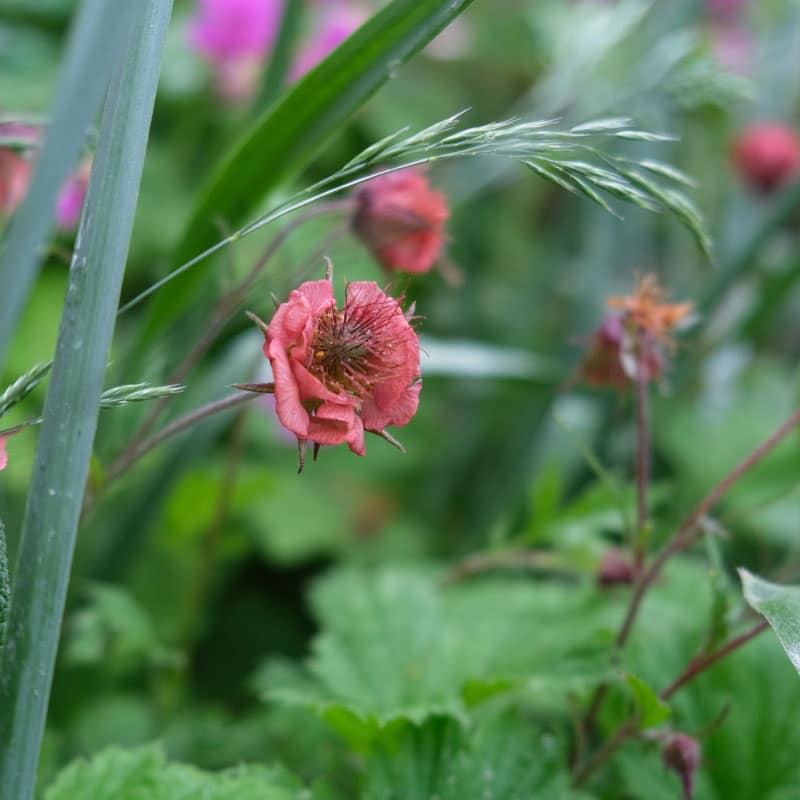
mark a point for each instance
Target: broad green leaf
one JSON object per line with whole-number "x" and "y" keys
{"x": 144, "y": 774}
{"x": 781, "y": 606}
{"x": 506, "y": 758}
{"x": 283, "y": 141}
{"x": 395, "y": 645}
{"x": 652, "y": 709}
{"x": 57, "y": 488}
{"x": 97, "y": 37}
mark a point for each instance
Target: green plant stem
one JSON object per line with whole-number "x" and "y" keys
{"x": 281, "y": 59}
{"x": 73, "y": 402}
{"x": 178, "y": 426}
{"x": 480, "y": 563}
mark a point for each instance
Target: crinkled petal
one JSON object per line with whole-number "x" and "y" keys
{"x": 288, "y": 402}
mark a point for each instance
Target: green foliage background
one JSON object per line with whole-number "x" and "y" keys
{"x": 235, "y": 614}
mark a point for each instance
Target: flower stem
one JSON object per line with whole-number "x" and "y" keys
{"x": 688, "y": 532}
{"x": 642, "y": 467}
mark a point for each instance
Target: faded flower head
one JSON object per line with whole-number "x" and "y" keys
{"x": 341, "y": 371}
{"x": 767, "y": 155}
{"x": 633, "y": 339}
{"x": 72, "y": 196}
{"x": 401, "y": 220}
{"x": 15, "y": 177}
{"x": 683, "y": 754}
{"x": 337, "y": 22}
{"x": 235, "y": 36}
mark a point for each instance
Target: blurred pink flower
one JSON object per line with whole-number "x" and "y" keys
{"x": 21, "y": 130}
{"x": 767, "y": 155}
{"x": 15, "y": 177}
{"x": 401, "y": 219}
{"x": 733, "y": 47}
{"x": 72, "y": 195}
{"x": 337, "y": 22}
{"x": 3, "y": 453}
{"x": 235, "y": 36}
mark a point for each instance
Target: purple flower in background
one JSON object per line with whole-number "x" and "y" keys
{"x": 72, "y": 195}
{"x": 726, "y": 9}
{"x": 734, "y": 47}
{"x": 337, "y": 22}
{"x": 235, "y": 36}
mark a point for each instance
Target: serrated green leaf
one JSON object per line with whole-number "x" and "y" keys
{"x": 144, "y": 774}
{"x": 283, "y": 141}
{"x": 395, "y": 645}
{"x": 505, "y": 758}
{"x": 781, "y": 606}
{"x": 651, "y": 708}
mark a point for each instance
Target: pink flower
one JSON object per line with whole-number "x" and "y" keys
{"x": 71, "y": 198}
{"x": 337, "y": 371}
{"x": 15, "y": 177}
{"x": 683, "y": 754}
{"x": 733, "y": 47}
{"x": 767, "y": 155}
{"x": 3, "y": 453}
{"x": 338, "y": 21}
{"x": 235, "y": 36}
{"x": 401, "y": 220}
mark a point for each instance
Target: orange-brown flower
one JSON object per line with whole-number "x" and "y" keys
{"x": 646, "y": 311}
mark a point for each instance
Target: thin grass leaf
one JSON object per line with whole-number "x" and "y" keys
{"x": 678, "y": 204}
{"x": 70, "y": 417}
{"x": 281, "y": 58}
{"x": 666, "y": 171}
{"x": 98, "y": 35}
{"x": 23, "y": 386}
{"x": 602, "y": 125}
{"x": 5, "y": 586}
{"x": 645, "y": 136}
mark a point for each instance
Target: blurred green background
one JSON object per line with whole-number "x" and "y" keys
{"x": 195, "y": 569}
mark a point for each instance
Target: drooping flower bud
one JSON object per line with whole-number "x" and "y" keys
{"x": 767, "y": 155}
{"x": 338, "y": 372}
{"x": 401, "y": 220}
{"x": 615, "y": 569}
{"x": 683, "y": 754}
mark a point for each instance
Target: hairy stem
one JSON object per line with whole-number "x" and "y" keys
{"x": 642, "y": 467}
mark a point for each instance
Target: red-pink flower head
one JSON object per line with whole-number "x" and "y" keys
{"x": 683, "y": 754}
{"x": 767, "y": 155}
{"x": 339, "y": 372}
{"x": 15, "y": 177}
{"x": 235, "y": 36}
{"x": 402, "y": 220}
{"x": 72, "y": 196}
{"x": 337, "y": 23}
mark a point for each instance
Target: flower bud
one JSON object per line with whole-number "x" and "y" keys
{"x": 615, "y": 570}
{"x": 401, "y": 220}
{"x": 767, "y": 155}
{"x": 683, "y": 754}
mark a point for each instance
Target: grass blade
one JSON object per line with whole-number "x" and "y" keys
{"x": 71, "y": 409}
{"x": 95, "y": 41}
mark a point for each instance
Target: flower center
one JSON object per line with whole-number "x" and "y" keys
{"x": 351, "y": 350}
